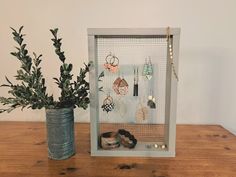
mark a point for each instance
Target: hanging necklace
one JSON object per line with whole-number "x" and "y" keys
{"x": 170, "y": 50}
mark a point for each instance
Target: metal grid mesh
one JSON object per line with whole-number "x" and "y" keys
{"x": 133, "y": 51}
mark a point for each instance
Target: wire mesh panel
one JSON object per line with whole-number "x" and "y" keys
{"x": 130, "y": 109}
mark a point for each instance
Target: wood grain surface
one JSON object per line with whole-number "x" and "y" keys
{"x": 202, "y": 151}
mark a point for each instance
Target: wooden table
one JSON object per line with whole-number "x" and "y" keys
{"x": 202, "y": 151}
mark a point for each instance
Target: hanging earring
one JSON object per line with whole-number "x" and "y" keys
{"x": 141, "y": 114}
{"x": 114, "y": 64}
{"x": 123, "y": 87}
{"x": 149, "y": 69}
{"x": 107, "y": 64}
{"x": 145, "y": 67}
{"x": 108, "y": 104}
{"x": 136, "y": 79}
{"x": 115, "y": 85}
{"x": 111, "y": 63}
{"x": 120, "y": 86}
{"x": 151, "y": 101}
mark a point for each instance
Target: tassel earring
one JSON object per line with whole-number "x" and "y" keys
{"x": 136, "y": 79}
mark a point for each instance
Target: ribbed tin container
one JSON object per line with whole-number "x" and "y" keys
{"x": 60, "y": 133}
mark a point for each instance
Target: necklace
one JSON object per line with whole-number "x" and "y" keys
{"x": 170, "y": 50}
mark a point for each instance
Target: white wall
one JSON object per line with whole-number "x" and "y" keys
{"x": 207, "y": 58}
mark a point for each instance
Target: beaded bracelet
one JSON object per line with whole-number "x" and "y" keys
{"x": 109, "y": 140}
{"x": 127, "y": 139}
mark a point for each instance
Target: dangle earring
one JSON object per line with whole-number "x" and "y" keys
{"x": 149, "y": 69}
{"x": 141, "y": 113}
{"x": 136, "y": 79}
{"x": 123, "y": 87}
{"x": 116, "y": 83}
{"x": 145, "y": 68}
{"x": 120, "y": 86}
{"x": 151, "y": 101}
{"x": 107, "y": 64}
{"x": 111, "y": 63}
{"x": 108, "y": 104}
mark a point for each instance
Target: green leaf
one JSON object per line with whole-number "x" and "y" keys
{"x": 25, "y": 52}
{"x": 13, "y": 29}
{"x": 54, "y": 32}
{"x": 5, "y": 85}
{"x": 8, "y": 80}
{"x": 23, "y": 46}
{"x": 101, "y": 74}
{"x": 13, "y": 53}
{"x": 21, "y": 29}
{"x": 70, "y": 66}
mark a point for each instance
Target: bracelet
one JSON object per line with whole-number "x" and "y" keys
{"x": 127, "y": 139}
{"x": 109, "y": 140}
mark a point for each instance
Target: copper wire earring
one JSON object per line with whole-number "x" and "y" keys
{"x": 120, "y": 86}
{"x": 123, "y": 87}
{"x": 111, "y": 63}
{"x": 115, "y": 85}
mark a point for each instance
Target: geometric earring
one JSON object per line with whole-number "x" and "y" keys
{"x": 108, "y": 104}
{"x": 148, "y": 69}
{"x": 145, "y": 68}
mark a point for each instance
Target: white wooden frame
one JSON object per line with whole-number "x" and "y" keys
{"x": 171, "y": 91}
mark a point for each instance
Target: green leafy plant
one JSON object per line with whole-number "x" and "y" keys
{"x": 31, "y": 92}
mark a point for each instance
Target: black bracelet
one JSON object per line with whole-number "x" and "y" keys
{"x": 127, "y": 139}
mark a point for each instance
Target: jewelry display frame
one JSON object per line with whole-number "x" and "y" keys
{"x": 170, "y": 94}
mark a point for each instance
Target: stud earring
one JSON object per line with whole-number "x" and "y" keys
{"x": 108, "y": 104}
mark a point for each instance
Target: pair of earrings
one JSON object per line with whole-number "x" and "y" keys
{"x": 112, "y": 63}
{"x": 148, "y": 69}
{"x": 120, "y": 86}
{"x": 108, "y": 104}
{"x": 151, "y": 101}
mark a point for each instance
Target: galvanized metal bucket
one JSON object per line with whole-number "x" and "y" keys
{"x": 60, "y": 133}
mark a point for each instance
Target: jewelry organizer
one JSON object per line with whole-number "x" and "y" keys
{"x": 133, "y": 91}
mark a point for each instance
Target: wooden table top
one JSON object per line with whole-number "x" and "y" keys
{"x": 202, "y": 151}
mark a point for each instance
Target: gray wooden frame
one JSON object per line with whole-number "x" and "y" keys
{"x": 171, "y": 91}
